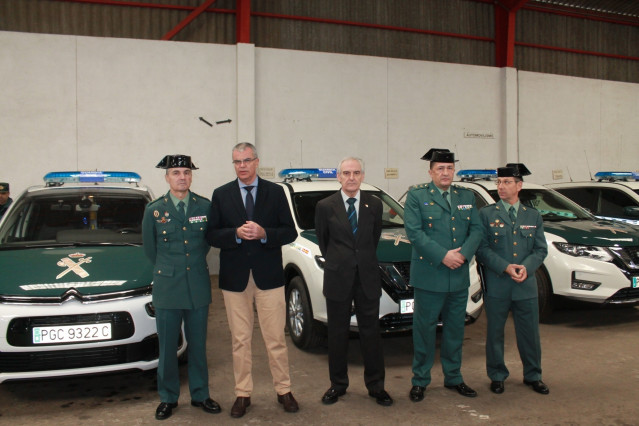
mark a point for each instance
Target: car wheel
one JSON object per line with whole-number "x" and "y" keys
{"x": 300, "y": 323}
{"x": 545, "y": 294}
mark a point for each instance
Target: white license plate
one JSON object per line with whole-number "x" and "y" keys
{"x": 406, "y": 306}
{"x": 72, "y": 333}
{"x": 635, "y": 282}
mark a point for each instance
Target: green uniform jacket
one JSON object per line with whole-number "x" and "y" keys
{"x": 503, "y": 244}
{"x": 177, "y": 248}
{"x": 433, "y": 228}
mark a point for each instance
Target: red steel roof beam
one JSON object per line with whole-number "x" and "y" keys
{"x": 179, "y": 27}
{"x": 243, "y": 21}
{"x": 505, "y": 13}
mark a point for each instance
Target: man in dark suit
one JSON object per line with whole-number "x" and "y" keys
{"x": 173, "y": 231}
{"x": 250, "y": 221}
{"x": 443, "y": 226}
{"x": 513, "y": 248}
{"x": 349, "y": 225}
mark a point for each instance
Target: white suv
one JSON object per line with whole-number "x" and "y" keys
{"x": 613, "y": 195}
{"x": 588, "y": 259}
{"x": 303, "y": 263}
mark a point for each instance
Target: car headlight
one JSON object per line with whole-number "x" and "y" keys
{"x": 590, "y": 252}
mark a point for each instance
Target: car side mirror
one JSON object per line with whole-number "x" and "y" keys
{"x": 632, "y": 211}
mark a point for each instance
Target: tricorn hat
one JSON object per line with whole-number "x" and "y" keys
{"x": 518, "y": 170}
{"x": 439, "y": 155}
{"x": 4, "y": 187}
{"x": 176, "y": 160}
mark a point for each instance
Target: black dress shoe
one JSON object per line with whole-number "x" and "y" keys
{"x": 208, "y": 405}
{"x": 497, "y": 386}
{"x": 289, "y": 403}
{"x": 417, "y": 393}
{"x": 463, "y": 389}
{"x": 331, "y": 395}
{"x": 381, "y": 397}
{"x": 538, "y": 386}
{"x": 240, "y": 406}
{"x": 164, "y": 410}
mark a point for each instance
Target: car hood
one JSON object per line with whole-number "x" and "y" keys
{"x": 595, "y": 232}
{"x": 50, "y": 272}
{"x": 393, "y": 245}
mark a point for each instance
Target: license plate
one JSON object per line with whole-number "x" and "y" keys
{"x": 635, "y": 282}
{"x": 72, "y": 333}
{"x": 406, "y": 306}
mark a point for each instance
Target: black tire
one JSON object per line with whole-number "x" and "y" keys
{"x": 299, "y": 316}
{"x": 545, "y": 294}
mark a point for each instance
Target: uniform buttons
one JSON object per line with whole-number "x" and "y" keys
{"x": 201, "y": 229}
{"x": 421, "y": 258}
{"x": 495, "y": 241}
{"x": 452, "y": 218}
{"x": 515, "y": 254}
{"x": 514, "y": 232}
{"x": 496, "y": 233}
{"x": 515, "y": 243}
{"x": 164, "y": 232}
{"x": 188, "y": 254}
{"x": 453, "y": 229}
{"x": 159, "y": 271}
{"x": 186, "y": 241}
{"x": 454, "y": 240}
{"x": 184, "y": 228}
{"x": 188, "y": 268}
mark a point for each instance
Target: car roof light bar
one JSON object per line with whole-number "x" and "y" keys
{"x": 60, "y": 178}
{"x": 307, "y": 174}
{"x": 613, "y": 176}
{"x": 477, "y": 174}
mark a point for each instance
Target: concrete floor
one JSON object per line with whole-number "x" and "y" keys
{"x": 590, "y": 362}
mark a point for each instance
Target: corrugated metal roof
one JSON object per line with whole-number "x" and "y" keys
{"x": 614, "y": 8}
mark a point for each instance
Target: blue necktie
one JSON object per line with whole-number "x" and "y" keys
{"x": 181, "y": 209}
{"x": 352, "y": 214}
{"x": 250, "y": 204}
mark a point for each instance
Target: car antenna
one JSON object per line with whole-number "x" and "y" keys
{"x": 588, "y": 164}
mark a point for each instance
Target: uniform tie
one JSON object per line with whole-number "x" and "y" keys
{"x": 250, "y": 204}
{"x": 352, "y": 214}
{"x": 445, "y": 194}
{"x": 181, "y": 208}
{"x": 511, "y": 213}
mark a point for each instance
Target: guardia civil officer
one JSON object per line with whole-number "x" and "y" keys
{"x": 174, "y": 230}
{"x": 443, "y": 227}
{"x": 512, "y": 249}
{"x": 5, "y": 198}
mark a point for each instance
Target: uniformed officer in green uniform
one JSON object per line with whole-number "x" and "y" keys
{"x": 5, "y": 199}
{"x": 442, "y": 223}
{"x": 174, "y": 229}
{"x": 512, "y": 249}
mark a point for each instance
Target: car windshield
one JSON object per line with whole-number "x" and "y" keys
{"x": 552, "y": 205}
{"x": 304, "y": 208}
{"x": 82, "y": 217}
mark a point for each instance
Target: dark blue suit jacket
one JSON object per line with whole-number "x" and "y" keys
{"x": 272, "y": 213}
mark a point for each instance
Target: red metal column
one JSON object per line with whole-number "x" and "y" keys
{"x": 505, "y": 13}
{"x": 179, "y": 27}
{"x": 243, "y": 21}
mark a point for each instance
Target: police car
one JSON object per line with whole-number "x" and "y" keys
{"x": 589, "y": 259}
{"x": 303, "y": 263}
{"x": 75, "y": 292}
{"x": 612, "y": 195}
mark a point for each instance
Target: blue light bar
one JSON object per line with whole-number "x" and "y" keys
{"x": 301, "y": 173}
{"x": 616, "y": 176}
{"x": 477, "y": 174}
{"x": 88, "y": 177}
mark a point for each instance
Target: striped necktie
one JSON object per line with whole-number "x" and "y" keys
{"x": 352, "y": 214}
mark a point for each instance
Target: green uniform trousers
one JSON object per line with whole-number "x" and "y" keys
{"x": 526, "y": 319}
{"x": 169, "y": 322}
{"x": 428, "y": 307}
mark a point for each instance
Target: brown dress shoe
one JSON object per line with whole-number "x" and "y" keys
{"x": 289, "y": 403}
{"x": 240, "y": 406}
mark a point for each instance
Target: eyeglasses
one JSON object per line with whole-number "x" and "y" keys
{"x": 504, "y": 182}
{"x": 245, "y": 161}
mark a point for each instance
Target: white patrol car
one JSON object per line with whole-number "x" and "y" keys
{"x": 588, "y": 259}
{"x": 612, "y": 195}
{"x": 303, "y": 263}
{"x": 75, "y": 291}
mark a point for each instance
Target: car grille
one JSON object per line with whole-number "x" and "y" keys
{"x": 19, "y": 332}
{"x": 396, "y": 286}
{"x": 629, "y": 256}
{"x": 625, "y": 295}
{"x": 12, "y": 362}
{"x": 393, "y": 322}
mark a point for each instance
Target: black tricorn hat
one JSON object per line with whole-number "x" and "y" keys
{"x": 439, "y": 155}
{"x": 513, "y": 170}
{"x": 176, "y": 160}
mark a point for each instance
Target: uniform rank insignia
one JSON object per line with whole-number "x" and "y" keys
{"x": 464, "y": 206}
{"x": 528, "y": 226}
{"x": 197, "y": 219}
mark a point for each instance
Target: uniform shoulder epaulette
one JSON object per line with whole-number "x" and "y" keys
{"x": 199, "y": 196}
{"x": 419, "y": 186}
{"x": 156, "y": 200}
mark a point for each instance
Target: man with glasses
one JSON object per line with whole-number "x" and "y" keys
{"x": 443, "y": 226}
{"x": 512, "y": 249}
{"x": 249, "y": 222}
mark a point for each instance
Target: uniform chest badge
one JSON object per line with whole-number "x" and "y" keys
{"x": 197, "y": 219}
{"x": 528, "y": 226}
{"x": 464, "y": 206}
{"x": 156, "y": 213}
{"x": 164, "y": 220}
